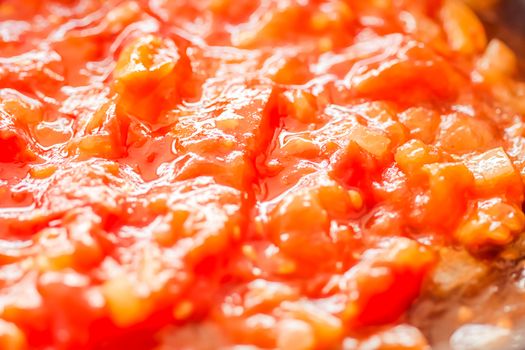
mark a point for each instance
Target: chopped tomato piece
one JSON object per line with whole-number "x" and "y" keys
{"x": 266, "y": 174}
{"x": 494, "y": 173}
{"x": 386, "y": 282}
{"x": 148, "y": 73}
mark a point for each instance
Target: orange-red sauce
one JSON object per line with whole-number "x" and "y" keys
{"x": 200, "y": 174}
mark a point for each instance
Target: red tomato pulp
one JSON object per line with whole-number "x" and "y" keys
{"x": 279, "y": 174}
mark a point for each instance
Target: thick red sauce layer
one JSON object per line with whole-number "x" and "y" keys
{"x": 279, "y": 174}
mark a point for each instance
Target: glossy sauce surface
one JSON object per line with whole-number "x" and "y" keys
{"x": 275, "y": 174}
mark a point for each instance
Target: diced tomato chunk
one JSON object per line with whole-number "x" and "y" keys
{"x": 449, "y": 185}
{"x": 14, "y": 143}
{"x": 488, "y": 222}
{"x": 497, "y": 62}
{"x": 381, "y": 287}
{"x": 414, "y": 68}
{"x": 149, "y": 73}
{"x": 413, "y": 155}
{"x": 464, "y": 30}
{"x": 494, "y": 173}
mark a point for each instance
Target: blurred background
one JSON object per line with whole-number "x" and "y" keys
{"x": 506, "y": 21}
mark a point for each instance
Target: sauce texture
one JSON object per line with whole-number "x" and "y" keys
{"x": 256, "y": 174}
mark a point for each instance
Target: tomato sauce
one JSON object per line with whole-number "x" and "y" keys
{"x": 287, "y": 175}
